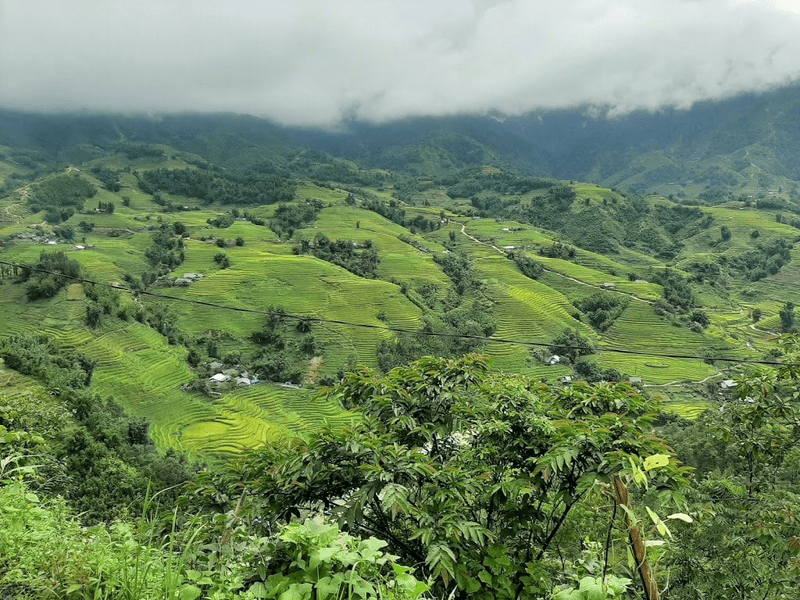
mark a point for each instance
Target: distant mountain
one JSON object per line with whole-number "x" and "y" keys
{"x": 751, "y": 143}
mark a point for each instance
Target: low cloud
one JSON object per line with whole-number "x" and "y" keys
{"x": 313, "y": 63}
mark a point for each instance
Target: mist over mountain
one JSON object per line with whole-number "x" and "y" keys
{"x": 750, "y": 141}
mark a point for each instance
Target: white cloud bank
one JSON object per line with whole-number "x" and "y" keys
{"x": 312, "y": 62}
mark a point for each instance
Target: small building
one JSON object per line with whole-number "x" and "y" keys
{"x": 243, "y": 381}
{"x": 219, "y": 377}
{"x": 565, "y": 379}
{"x": 553, "y": 360}
{"x": 608, "y": 285}
{"x": 727, "y": 384}
{"x": 635, "y": 380}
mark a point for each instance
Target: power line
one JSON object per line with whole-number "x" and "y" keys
{"x": 322, "y": 320}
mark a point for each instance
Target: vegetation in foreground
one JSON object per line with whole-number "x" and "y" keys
{"x": 452, "y": 482}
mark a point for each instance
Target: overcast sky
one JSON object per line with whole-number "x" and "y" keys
{"x": 314, "y": 62}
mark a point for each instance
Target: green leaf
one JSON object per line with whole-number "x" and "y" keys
{"x": 662, "y": 528}
{"x": 681, "y": 516}
{"x": 258, "y": 590}
{"x": 655, "y": 461}
{"x": 190, "y": 592}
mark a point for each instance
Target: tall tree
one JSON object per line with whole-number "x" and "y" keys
{"x": 474, "y": 476}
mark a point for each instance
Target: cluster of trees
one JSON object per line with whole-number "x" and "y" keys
{"x": 677, "y": 295}
{"x": 288, "y": 218}
{"x": 252, "y": 187}
{"x": 166, "y": 253}
{"x": 764, "y": 260}
{"x": 98, "y": 458}
{"x": 108, "y": 177}
{"x": 490, "y": 485}
{"x": 466, "y": 184}
{"x": 558, "y": 250}
{"x": 52, "y": 272}
{"x": 360, "y": 259}
{"x": 464, "y": 316}
{"x": 134, "y": 151}
{"x": 529, "y": 267}
{"x": 222, "y": 221}
{"x": 106, "y": 207}
{"x": 746, "y": 457}
{"x": 280, "y": 354}
{"x": 396, "y": 214}
{"x": 602, "y": 309}
{"x": 60, "y": 196}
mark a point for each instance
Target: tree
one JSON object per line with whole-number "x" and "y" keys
{"x": 756, "y": 314}
{"x": 571, "y": 344}
{"x": 787, "y": 317}
{"x": 724, "y": 233}
{"x": 222, "y": 260}
{"x": 473, "y": 476}
{"x": 744, "y": 543}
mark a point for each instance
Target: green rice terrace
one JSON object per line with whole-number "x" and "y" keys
{"x": 227, "y": 317}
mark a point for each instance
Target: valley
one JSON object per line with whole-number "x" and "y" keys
{"x": 581, "y": 239}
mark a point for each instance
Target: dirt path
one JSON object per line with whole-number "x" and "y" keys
{"x": 14, "y": 218}
{"x": 313, "y": 370}
{"x": 672, "y": 383}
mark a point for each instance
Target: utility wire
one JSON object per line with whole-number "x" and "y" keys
{"x": 479, "y": 338}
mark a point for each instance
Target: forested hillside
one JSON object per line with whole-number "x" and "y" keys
{"x": 255, "y": 310}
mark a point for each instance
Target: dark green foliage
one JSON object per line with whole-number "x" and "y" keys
{"x": 591, "y": 372}
{"x": 167, "y": 251}
{"x": 221, "y": 221}
{"x": 470, "y": 317}
{"x": 240, "y": 241}
{"x": 61, "y": 196}
{"x": 744, "y": 541}
{"x": 724, "y": 233}
{"x": 787, "y": 317}
{"x": 247, "y": 187}
{"x": 109, "y": 178}
{"x": 106, "y": 207}
{"x": 290, "y": 217}
{"x": 162, "y": 318}
{"x": 766, "y": 259}
{"x": 397, "y": 215}
{"x": 558, "y": 250}
{"x": 65, "y": 232}
{"x": 458, "y": 267}
{"x": 40, "y": 358}
{"x": 602, "y": 309}
{"x": 756, "y": 315}
{"x": 571, "y": 344}
{"x": 473, "y": 478}
{"x": 699, "y": 317}
{"x": 52, "y": 272}
{"x": 276, "y": 367}
{"x": 707, "y": 272}
{"x": 529, "y": 267}
{"x": 222, "y": 260}
{"x": 466, "y": 184}
{"x": 562, "y": 195}
{"x": 677, "y": 295}
{"x": 360, "y": 259}
{"x": 134, "y": 151}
